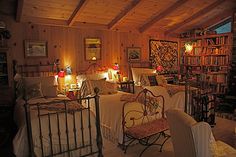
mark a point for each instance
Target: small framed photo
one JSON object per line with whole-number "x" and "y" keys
{"x": 134, "y": 53}
{"x": 34, "y": 48}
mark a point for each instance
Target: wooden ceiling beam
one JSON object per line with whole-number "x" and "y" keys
{"x": 62, "y": 23}
{"x": 77, "y": 11}
{"x": 163, "y": 14}
{"x": 217, "y": 19}
{"x": 19, "y": 11}
{"x": 123, "y": 13}
{"x": 196, "y": 15}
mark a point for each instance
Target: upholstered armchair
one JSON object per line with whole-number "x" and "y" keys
{"x": 194, "y": 139}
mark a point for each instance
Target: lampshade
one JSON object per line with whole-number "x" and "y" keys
{"x": 68, "y": 70}
{"x": 94, "y": 58}
{"x": 116, "y": 66}
{"x": 188, "y": 47}
{"x": 159, "y": 68}
{"x": 61, "y": 73}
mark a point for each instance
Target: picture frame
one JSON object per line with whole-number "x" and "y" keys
{"x": 35, "y": 48}
{"x": 93, "y": 49}
{"x": 134, "y": 54}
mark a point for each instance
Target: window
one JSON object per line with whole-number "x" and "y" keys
{"x": 223, "y": 27}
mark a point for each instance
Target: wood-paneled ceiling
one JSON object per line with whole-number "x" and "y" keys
{"x": 145, "y": 16}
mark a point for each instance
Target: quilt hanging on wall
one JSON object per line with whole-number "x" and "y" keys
{"x": 164, "y": 53}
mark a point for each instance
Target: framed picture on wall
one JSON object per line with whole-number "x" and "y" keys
{"x": 34, "y": 48}
{"x": 92, "y": 49}
{"x": 134, "y": 54}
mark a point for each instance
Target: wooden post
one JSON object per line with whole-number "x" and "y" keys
{"x": 29, "y": 129}
{"x": 99, "y": 135}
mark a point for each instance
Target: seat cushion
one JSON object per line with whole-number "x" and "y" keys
{"x": 148, "y": 129}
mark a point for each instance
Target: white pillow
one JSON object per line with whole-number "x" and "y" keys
{"x": 161, "y": 80}
{"x": 144, "y": 80}
{"x": 137, "y": 72}
{"x": 33, "y": 91}
{"x": 47, "y": 83}
{"x": 49, "y": 91}
{"x": 98, "y": 76}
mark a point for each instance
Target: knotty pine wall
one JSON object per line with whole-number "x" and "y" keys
{"x": 67, "y": 44}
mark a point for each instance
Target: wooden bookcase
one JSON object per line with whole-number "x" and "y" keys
{"x": 6, "y": 92}
{"x": 209, "y": 60}
{"x": 232, "y": 77}
{"x": 4, "y": 78}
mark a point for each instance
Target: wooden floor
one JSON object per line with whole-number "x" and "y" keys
{"x": 224, "y": 130}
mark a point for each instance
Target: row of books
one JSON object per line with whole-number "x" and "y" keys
{"x": 217, "y": 41}
{"x": 215, "y": 51}
{"x": 218, "y": 78}
{"x": 216, "y": 60}
{"x": 197, "y": 43}
{"x": 192, "y": 60}
{"x": 3, "y": 69}
{"x": 209, "y": 51}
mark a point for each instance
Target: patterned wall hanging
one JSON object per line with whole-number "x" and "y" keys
{"x": 164, "y": 53}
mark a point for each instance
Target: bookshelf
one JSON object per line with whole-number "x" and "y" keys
{"x": 232, "y": 77}
{"x": 209, "y": 60}
{"x": 3, "y": 67}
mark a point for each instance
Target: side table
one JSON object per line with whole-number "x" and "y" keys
{"x": 73, "y": 93}
{"x": 126, "y": 86}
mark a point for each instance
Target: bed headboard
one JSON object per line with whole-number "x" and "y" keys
{"x": 34, "y": 70}
{"x": 144, "y": 64}
{"x": 93, "y": 69}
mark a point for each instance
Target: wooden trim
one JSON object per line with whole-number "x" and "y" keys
{"x": 19, "y": 12}
{"x": 163, "y": 14}
{"x": 194, "y": 16}
{"x": 123, "y": 13}
{"x": 77, "y": 11}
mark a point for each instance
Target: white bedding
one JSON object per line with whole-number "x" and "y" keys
{"x": 176, "y": 100}
{"x": 20, "y": 142}
{"x": 111, "y": 110}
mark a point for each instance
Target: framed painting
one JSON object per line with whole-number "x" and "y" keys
{"x": 34, "y": 48}
{"x": 92, "y": 49}
{"x": 134, "y": 54}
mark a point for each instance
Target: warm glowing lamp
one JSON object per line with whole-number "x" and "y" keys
{"x": 68, "y": 70}
{"x": 94, "y": 58}
{"x": 188, "y": 47}
{"x": 159, "y": 68}
{"x": 116, "y": 66}
{"x": 61, "y": 73}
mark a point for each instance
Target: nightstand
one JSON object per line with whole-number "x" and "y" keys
{"x": 126, "y": 86}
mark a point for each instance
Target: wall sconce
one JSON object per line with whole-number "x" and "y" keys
{"x": 188, "y": 47}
